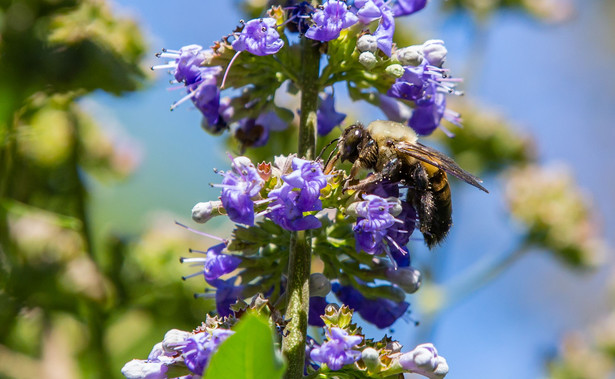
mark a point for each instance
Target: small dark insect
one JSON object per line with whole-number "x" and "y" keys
{"x": 393, "y": 152}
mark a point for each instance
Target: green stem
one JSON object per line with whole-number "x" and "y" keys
{"x": 300, "y": 259}
{"x": 310, "y": 59}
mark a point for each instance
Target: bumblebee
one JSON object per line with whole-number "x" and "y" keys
{"x": 393, "y": 152}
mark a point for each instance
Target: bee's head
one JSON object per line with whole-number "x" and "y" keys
{"x": 351, "y": 142}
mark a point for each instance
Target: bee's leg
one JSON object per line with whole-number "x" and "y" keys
{"x": 391, "y": 172}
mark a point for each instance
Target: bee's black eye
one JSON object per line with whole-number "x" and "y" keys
{"x": 352, "y": 141}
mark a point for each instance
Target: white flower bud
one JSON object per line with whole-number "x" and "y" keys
{"x": 368, "y": 60}
{"x": 319, "y": 285}
{"x": 424, "y": 360}
{"x": 435, "y": 52}
{"x": 371, "y": 357}
{"x": 395, "y": 70}
{"x": 411, "y": 55}
{"x": 203, "y": 212}
{"x": 367, "y": 42}
{"x": 407, "y": 278}
{"x": 140, "y": 369}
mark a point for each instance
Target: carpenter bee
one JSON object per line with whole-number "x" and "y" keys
{"x": 393, "y": 152}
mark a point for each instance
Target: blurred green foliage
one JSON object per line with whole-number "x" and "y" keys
{"x": 66, "y": 301}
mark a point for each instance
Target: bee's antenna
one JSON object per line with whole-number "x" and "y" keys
{"x": 325, "y": 148}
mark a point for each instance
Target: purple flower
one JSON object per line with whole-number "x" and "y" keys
{"x": 330, "y": 20}
{"x": 198, "y": 348}
{"x": 370, "y": 10}
{"x": 271, "y": 121}
{"x": 284, "y": 211}
{"x": 406, "y": 7}
{"x": 384, "y": 32}
{"x": 200, "y": 81}
{"x": 259, "y": 37}
{"x": 251, "y": 134}
{"x": 317, "y": 309}
{"x": 426, "y": 85}
{"x": 307, "y": 176}
{"x": 380, "y": 312}
{"x": 298, "y": 16}
{"x": 337, "y": 351}
{"x": 206, "y": 96}
{"x": 227, "y": 293}
{"x": 372, "y": 224}
{"x": 217, "y": 264}
{"x": 394, "y": 110}
{"x": 239, "y": 186}
{"x": 327, "y": 116}
{"x": 400, "y": 232}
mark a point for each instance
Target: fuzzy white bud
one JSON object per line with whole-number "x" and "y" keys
{"x": 395, "y": 70}
{"x": 411, "y": 55}
{"x": 203, "y": 212}
{"x": 367, "y": 42}
{"x": 371, "y": 357}
{"x": 435, "y": 52}
{"x": 368, "y": 60}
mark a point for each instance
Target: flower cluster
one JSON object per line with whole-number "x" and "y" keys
{"x": 360, "y": 233}
{"x": 425, "y": 84}
{"x": 177, "y": 348}
{"x": 187, "y": 66}
{"x": 300, "y": 193}
{"x": 338, "y": 350}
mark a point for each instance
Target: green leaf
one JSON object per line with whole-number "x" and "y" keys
{"x": 249, "y": 353}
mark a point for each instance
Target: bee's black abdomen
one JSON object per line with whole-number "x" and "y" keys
{"x": 431, "y": 197}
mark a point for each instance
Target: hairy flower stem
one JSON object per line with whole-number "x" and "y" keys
{"x": 297, "y": 292}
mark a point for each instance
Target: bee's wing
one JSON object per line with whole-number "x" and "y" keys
{"x": 435, "y": 158}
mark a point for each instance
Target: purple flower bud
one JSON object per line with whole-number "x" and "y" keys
{"x": 327, "y": 116}
{"x": 239, "y": 186}
{"x": 407, "y": 7}
{"x": 317, "y": 309}
{"x": 337, "y": 351}
{"x": 380, "y": 311}
{"x": 330, "y": 20}
{"x": 424, "y": 360}
{"x": 199, "y": 347}
{"x": 259, "y": 37}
